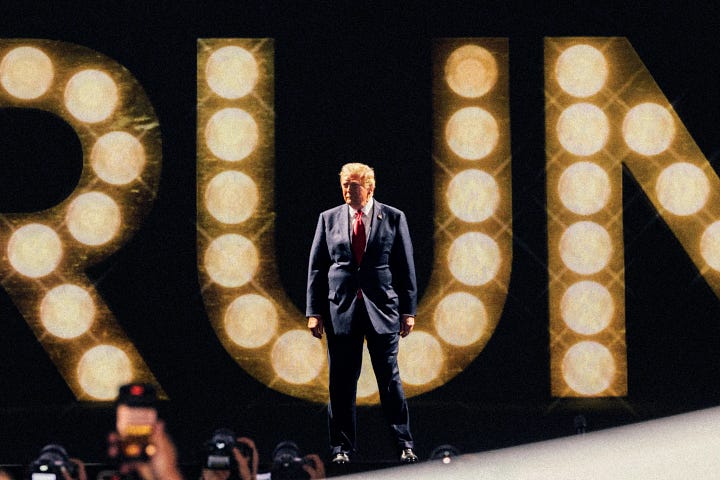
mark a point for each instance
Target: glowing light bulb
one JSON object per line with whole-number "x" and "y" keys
{"x": 588, "y": 368}
{"x": 471, "y": 71}
{"x": 93, "y": 218}
{"x": 682, "y": 188}
{"x": 91, "y": 96}
{"x": 251, "y": 321}
{"x": 118, "y": 158}
{"x": 584, "y": 188}
{"x": 67, "y": 311}
{"x": 231, "y": 260}
{"x": 26, "y": 72}
{"x": 473, "y": 195}
{"x": 231, "y": 72}
{"x": 34, "y": 250}
{"x": 585, "y": 247}
{"x": 581, "y": 70}
{"x": 648, "y": 129}
{"x": 297, "y": 357}
{"x": 583, "y": 129}
{"x": 421, "y": 358}
{"x": 102, "y": 370}
{"x": 231, "y": 197}
{"x": 460, "y": 319}
{"x": 587, "y": 307}
{"x": 231, "y": 134}
{"x": 474, "y": 258}
{"x": 472, "y": 133}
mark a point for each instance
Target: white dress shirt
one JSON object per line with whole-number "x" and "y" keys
{"x": 366, "y": 218}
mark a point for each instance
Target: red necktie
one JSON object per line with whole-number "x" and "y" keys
{"x": 358, "y": 238}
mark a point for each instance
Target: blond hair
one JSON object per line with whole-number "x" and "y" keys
{"x": 365, "y": 172}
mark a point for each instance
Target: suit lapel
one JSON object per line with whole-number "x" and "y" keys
{"x": 344, "y": 222}
{"x": 378, "y": 218}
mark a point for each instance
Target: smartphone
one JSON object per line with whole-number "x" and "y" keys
{"x": 135, "y": 418}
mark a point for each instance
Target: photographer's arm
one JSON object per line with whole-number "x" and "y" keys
{"x": 314, "y": 466}
{"x": 82, "y": 474}
{"x": 247, "y": 467}
{"x": 162, "y": 464}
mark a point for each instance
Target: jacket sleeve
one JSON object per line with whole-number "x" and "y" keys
{"x": 318, "y": 265}
{"x": 403, "y": 268}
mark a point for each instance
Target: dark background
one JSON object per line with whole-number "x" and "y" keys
{"x": 353, "y": 82}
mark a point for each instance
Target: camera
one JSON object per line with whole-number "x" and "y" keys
{"x": 219, "y": 451}
{"x": 288, "y": 462}
{"x": 444, "y": 453}
{"x": 50, "y": 463}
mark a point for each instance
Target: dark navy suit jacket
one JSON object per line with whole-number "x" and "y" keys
{"x": 386, "y": 275}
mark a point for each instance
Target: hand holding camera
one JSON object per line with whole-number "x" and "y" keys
{"x": 289, "y": 464}
{"x": 53, "y": 463}
{"x": 227, "y": 454}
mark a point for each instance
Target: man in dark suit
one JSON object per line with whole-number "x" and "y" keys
{"x": 361, "y": 285}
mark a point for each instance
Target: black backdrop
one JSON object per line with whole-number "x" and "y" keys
{"x": 353, "y": 81}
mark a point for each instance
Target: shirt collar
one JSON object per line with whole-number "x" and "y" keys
{"x": 367, "y": 209}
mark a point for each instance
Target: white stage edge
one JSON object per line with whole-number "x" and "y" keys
{"x": 682, "y": 447}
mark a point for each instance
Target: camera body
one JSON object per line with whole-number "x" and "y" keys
{"x": 219, "y": 451}
{"x": 288, "y": 462}
{"x": 50, "y": 463}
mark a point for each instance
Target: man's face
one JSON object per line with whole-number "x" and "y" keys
{"x": 354, "y": 191}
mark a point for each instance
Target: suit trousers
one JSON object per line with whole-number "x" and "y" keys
{"x": 345, "y": 361}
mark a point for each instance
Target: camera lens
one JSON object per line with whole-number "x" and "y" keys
{"x": 50, "y": 463}
{"x": 219, "y": 455}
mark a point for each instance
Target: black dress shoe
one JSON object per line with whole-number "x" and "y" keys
{"x": 408, "y": 456}
{"x": 340, "y": 458}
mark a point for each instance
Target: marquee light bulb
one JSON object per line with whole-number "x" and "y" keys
{"x": 91, "y": 96}
{"x": 581, "y": 70}
{"x": 473, "y": 195}
{"x": 231, "y": 72}
{"x": 297, "y": 357}
{"x": 117, "y": 158}
{"x": 585, "y": 247}
{"x": 421, "y": 358}
{"x": 460, "y": 319}
{"x": 35, "y": 250}
{"x": 231, "y": 260}
{"x": 26, "y": 72}
{"x": 583, "y": 129}
{"x": 251, "y": 321}
{"x": 648, "y": 129}
{"x": 231, "y": 134}
{"x": 471, "y": 71}
{"x": 474, "y": 258}
{"x": 472, "y": 133}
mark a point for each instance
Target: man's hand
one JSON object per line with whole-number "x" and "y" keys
{"x": 407, "y": 324}
{"x": 314, "y": 466}
{"x": 81, "y": 472}
{"x": 162, "y": 465}
{"x": 208, "y": 474}
{"x": 315, "y": 324}
{"x": 247, "y": 466}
